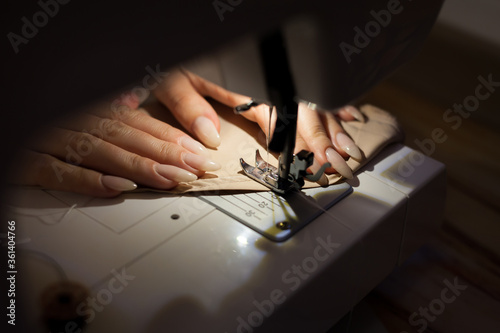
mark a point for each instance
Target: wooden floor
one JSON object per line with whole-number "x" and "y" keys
{"x": 466, "y": 252}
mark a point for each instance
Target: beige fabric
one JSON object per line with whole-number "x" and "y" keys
{"x": 240, "y": 138}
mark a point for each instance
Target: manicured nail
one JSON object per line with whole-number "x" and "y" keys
{"x": 194, "y": 146}
{"x": 200, "y": 162}
{"x": 338, "y": 163}
{"x": 174, "y": 173}
{"x": 118, "y": 183}
{"x": 355, "y": 113}
{"x": 348, "y": 146}
{"x": 205, "y": 129}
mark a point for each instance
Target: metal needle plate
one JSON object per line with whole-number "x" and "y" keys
{"x": 279, "y": 217}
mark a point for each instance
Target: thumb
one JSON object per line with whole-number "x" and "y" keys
{"x": 189, "y": 107}
{"x": 258, "y": 114}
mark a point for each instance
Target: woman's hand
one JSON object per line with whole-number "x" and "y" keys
{"x": 107, "y": 150}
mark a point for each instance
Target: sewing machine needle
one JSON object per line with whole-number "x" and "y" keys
{"x": 268, "y": 136}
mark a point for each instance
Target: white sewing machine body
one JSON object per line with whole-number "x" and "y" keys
{"x": 156, "y": 262}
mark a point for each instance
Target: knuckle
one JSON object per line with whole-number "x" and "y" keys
{"x": 134, "y": 115}
{"x": 74, "y": 138}
{"x": 317, "y": 134}
{"x": 317, "y": 131}
{"x": 80, "y": 144}
{"x": 166, "y": 149}
{"x": 136, "y": 162}
{"x": 119, "y": 111}
{"x": 178, "y": 101}
{"x": 112, "y": 128}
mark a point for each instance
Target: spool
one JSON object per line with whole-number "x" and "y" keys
{"x": 59, "y": 303}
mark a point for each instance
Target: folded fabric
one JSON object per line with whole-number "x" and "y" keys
{"x": 241, "y": 138}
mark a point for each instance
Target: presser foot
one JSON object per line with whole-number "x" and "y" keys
{"x": 267, "y": 174}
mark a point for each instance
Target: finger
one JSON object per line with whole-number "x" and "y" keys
{"x": 259, "y": 114}
{"x": 310, "y": 127}
{"x": 88, "y": 151}
{"x": 264, "y": 116}
{"x": 300, "y": 144}
{"x": 49, "y": 172}
{"x": 144, "y": 144}
{"x": 192, "y": 111}
{"x": 207, "y": 88}
{"x": 129, "y": 99}
{"x": 341, "y": 141}
{"x": 142, "y": 121}
{"x": 350, "y": 113}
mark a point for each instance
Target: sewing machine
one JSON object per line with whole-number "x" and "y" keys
{"x": 150, "y": 262}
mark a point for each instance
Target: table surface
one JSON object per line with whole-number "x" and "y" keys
{"x": 468, "y": 246}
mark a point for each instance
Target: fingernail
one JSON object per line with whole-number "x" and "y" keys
{"x": 194, "y": 146}
{"x": 118, "y": 183}
{"x": 355, "y": 113}
{"x": 200, "y": 162}
{"x": 205, "y": 129}
{"x": 338, "y": 163}
{"x": 174, "y": 173}
{"x": 348, "y": 146}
